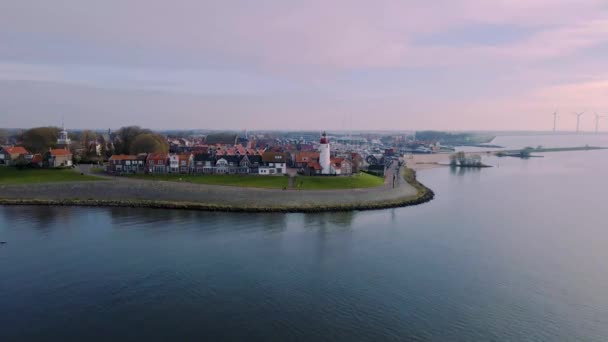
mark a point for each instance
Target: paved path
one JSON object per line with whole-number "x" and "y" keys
{"x": 121, "y": 188}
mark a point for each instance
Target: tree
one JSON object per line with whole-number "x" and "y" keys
{"x": 85, "y": 137}
{"x": 40, "y": 139}
{"x": 149, "y": 143}
{"x": 22, "y": 163}
{"x": 124, "y": 137}
{"x": 4, "y": 134}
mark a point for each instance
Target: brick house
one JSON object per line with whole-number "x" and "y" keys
{"x": 157, "y": 163}
{"x": 303, "y": 158}
{"x": 59, "y": 158}
{"x": 122, "y": 163}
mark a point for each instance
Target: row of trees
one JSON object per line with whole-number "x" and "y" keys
{"x": 127, "y": 140}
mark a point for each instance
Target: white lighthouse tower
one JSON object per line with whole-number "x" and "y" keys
{"x": 324, "y": 157}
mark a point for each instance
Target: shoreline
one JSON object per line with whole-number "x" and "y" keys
{"x": 409, "y": 192}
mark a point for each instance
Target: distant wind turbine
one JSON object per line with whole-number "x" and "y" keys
{"x": 597, "y": 121}
{"x": 555, "y": 116}
{"x": 578, "y": 121}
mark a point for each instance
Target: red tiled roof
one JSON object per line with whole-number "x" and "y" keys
{"x": 37, "y": 158}
{"x": 60, "y": 152}
{"x": 157, "y": 156}
{"x": 123, "y": 157}
{"x": 304, "y": 157}
{"x": 314, "y": 165}
{"x": 16, "y": 150}
{"x": 274, "y": 157}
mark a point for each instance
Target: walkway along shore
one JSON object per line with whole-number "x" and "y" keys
{"x": 128, "y": 192}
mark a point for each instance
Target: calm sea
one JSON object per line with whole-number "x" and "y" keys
{"x": 516, "y": 252}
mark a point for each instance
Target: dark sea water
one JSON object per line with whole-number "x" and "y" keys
{"x": 517, "y": 252}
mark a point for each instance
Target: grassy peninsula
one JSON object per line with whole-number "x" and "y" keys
{"x": 360, "y": 181}
{"x": 180, "y": 196}
{"x": 267, "y": 182}
{"x": 11, "y": 175}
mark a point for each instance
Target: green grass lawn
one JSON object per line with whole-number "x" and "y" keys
{"x": 362, "y": 180}
{"x": 11, "y": 175}
{"x": 254, "y": 181}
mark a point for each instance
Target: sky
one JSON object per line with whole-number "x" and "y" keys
{"x": 304, "y": 65}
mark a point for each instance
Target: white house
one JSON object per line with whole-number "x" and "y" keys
{"x": 173, "y": 163}
{"x": 273, "y": 163}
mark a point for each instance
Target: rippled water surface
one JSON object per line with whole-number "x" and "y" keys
{"x": 515, "y": 252}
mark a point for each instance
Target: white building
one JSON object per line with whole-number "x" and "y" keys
{"x": 325, "y": 157}
{"x": 173, "y": 163}
{"x": 273, "y": 163}
{"x": 63, "y": 141}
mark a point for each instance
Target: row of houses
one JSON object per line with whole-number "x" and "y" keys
{"x": 269, "y": 163}
{"x": 17, "y": 155}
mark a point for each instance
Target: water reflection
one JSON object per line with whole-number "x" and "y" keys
{"x": 41, "y": 218}
{"x": 329, "y": 219}
{"x": 124, "y": 217}
{"x": 461, "y": 171}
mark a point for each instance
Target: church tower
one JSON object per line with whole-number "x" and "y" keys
{"x": 63, "y": 141}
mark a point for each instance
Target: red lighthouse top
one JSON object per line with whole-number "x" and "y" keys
{"x": 324, "y": 139}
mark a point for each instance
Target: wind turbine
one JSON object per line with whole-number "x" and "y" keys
{"x": 578, "y": 121}
{"x": 597, "y": 121}
{"x": 555, "y": 116}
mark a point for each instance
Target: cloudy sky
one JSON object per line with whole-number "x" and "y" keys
{"x": 314, "y": 64}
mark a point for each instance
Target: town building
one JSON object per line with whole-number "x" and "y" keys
{"x": 203, "y": 163}
{"x": 302, "y": 159}
{"x": 10, "y": 155}
{"x": 273, "y": 163}
{"x": 157, "y": 163}
{"x": 59, "y": 158}
{"x": 122, "y": 163}
{"x": 341, "y": 166}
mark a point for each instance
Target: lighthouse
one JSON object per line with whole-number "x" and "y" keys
{"x": 324, "y": 156}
